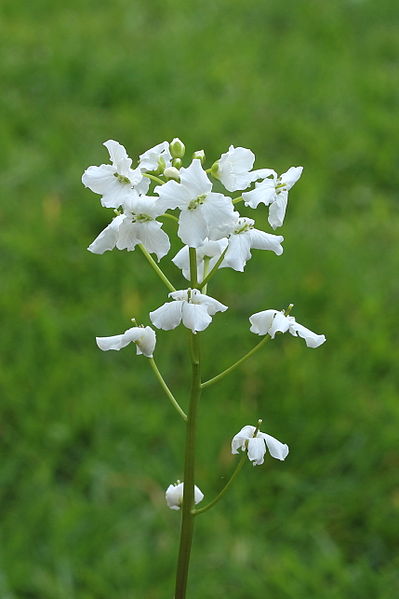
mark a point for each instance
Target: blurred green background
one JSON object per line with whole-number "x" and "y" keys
{"x": 88, "y": 441}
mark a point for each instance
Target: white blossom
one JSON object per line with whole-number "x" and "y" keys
{"x": 273, "y": 192}
{"x": 114, "y": 181}
{"x": 136, "y": 225}
{"x": 157, "y": 157}
{"x": 270, "y": 322}
{"x": 245, "y": 237}
{"x": 234, "y": 169}
{"x": 204, "y": 214}
{"x": 143, "y": 337}
{"x": 189, "y": 306}
{"x": 174, "y": 495}
{"x": 210, "y": 249}
{"x": 257, "y": 444}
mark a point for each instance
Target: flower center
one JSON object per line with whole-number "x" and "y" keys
{"x": 243, "y": 228}
{"x": 280, "y": 186}
{"x": 142, "y": 218}
{"x": 193, "y": 205}
{"x": 121, "y": 178}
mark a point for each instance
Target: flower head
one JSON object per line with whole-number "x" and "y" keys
{"x": 233, "y": 169}
{"x": 143, "y": 337}
{"x": 273, "y": 192}
{"x": 156, "y": 158}
{"x": 204, "y": 214}
{"x": 191, "y": 307}
{"x": 116, "y": 180}
{"x": 252, "y": 440}
{"x": 270, "y": 322}
{"x": 174, "y": 495}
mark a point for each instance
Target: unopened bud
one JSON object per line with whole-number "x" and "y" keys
{"x": 172, "y": 173}
{"x": 176, "y": 162}
{"x": 215, "y": 169}
{"x": 177, "y": 148}
{"x": 200, "y": 154}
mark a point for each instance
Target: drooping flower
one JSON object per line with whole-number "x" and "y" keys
{"x": 204, "y": 214}
{"x": 245, "y": 237}
{"x": 143, "y": 337}
{"x": 234, "y": 169}
{"x": 210, "y": 249}
{"x": 273, "y": 192}
{"x": 270, "y": 322}
{"x": 174, "y": 495}
{"x": 256, "y": 443}
{"x": 136, "y": 225}
{"x": 116, "y": 180}
{"x": 155, "y": 158}
{"x": 189, "y": 306}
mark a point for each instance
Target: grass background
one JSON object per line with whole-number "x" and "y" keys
{"x": 88, "y": 442}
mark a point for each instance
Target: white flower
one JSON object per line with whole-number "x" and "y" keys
{"x": 114, "y": 181}
{"x": 174, "y": 495}
{"x": 256, "y": 444}
{"x": 210, "y": 249}
{"x": 203, "y": 214}
{"x": 136, "y": 225}
{"x": 157, "y": 157}
{"x": 191, "y": 307}
{"x": 233, "y": 169}
{"x": 143, "y": 337}
{"x": 245, "y": 237}
{"x": 270, "y": 322}
{"x": 273, "y": 192}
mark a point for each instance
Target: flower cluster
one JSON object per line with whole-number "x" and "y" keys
{"x": 214, "y": 236}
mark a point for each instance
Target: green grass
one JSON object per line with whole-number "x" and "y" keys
{"x": 88, "y": 441}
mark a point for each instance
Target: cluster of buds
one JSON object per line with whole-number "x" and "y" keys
{"x": 209, "y": 223}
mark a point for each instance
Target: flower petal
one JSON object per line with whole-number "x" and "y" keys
{"x": 153, "y": 238}
{"x": 117, "y": 152}
{"x": 265, "y": 241}
{"x": 192, "y": 227}
{"x": 218, "y": 212}
{"x": 290, "y": 177}
{"x": 172, "y": 195}
{"x": 264, "y": 193}
{"x": 107, "y": 239}
{"x": 195, "y": 317}
{"x": 312, "y": 339}
{"x": 239, "y": 440}
{"x": 238, "y": 252}
{"x": 194, "y": 179}
{"x": 168, "y": 316}
{"x": 276, "y": 449}
{"x": 277, "y": 210}
{"x": 256, "y": 450}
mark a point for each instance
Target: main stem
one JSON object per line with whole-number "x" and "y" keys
{"x": 187, "y": 522}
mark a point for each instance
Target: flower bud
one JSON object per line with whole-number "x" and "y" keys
{"x": 172, "y": 173}
{"x": 200, "y": 154}
{"x": 176, "y": 162}
{"x": 215, "y": 169}
{"x": 177, "y": 148}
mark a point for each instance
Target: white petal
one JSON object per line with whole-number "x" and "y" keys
{"x": 280, "y": 324}
{"x": 128, "y": 235}
{"x": 276, "y": 449}
{"x": 198, "y": 495}
{"x": 107, "y": 239}
{"x": 256, "y": 450}
{"x": 135, "y": 334}
{"x": 172, "y": 195}
{"x": 115, "y": 342}
{"x": 174, "y": 496}
{"x": 277, "y": 210}
{"x": 195, "y": 317}
{"x": 168, "y": 316}
{"x": 153, "y": 238}
{"x": 180, "y": 294}
{"x": 149, "y": 160}
{"x": 194, "y": 179}
{"x": 290, "y": 177}
{"x": 192, "y": 227}
{"x": 218, "y": 212}
{"x": 261, "y": 322}
{"x": 145, "y": 343}
{"x": 265, "y": 241}
{"x": 117, "y": 152}
{"x": 239, "y": 440}
{"x": 238, "y": 252}
{"x": 234, "y": 167}
{"x": 182, "y": 261}
{"x": 312, "y": 339}
{"x": 212, "y": 306}
{"x": 264, "y": 193}
{"x": 99, "y": 179}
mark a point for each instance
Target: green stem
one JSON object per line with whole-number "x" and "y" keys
{"x": 166, "y": 388}
{"x": 193, "y": 267}
{"x": 237, "y": 200}
{"x": 210, "y": 274}
{"x": 219, "y": 496}
{"x": 155, "y": 267}
{"x": 154, "y": 178}
{"x": 187, "y": 522}
{"x": 170, "y": 216}
{"x": 233, "y": 366}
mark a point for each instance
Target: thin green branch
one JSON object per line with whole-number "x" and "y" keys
{"x": 237, "y": 200}
{"x": 233, "y": 366}
{"x": 193, "y": 267}
{"x": 165, "y": 387}
{"x": 219, "y": 496}
{"x": 213, "y": 270}
{"x": 154, "y": 178}
{"x": 170, "y": 216}
{"x": 156, "y": 268}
